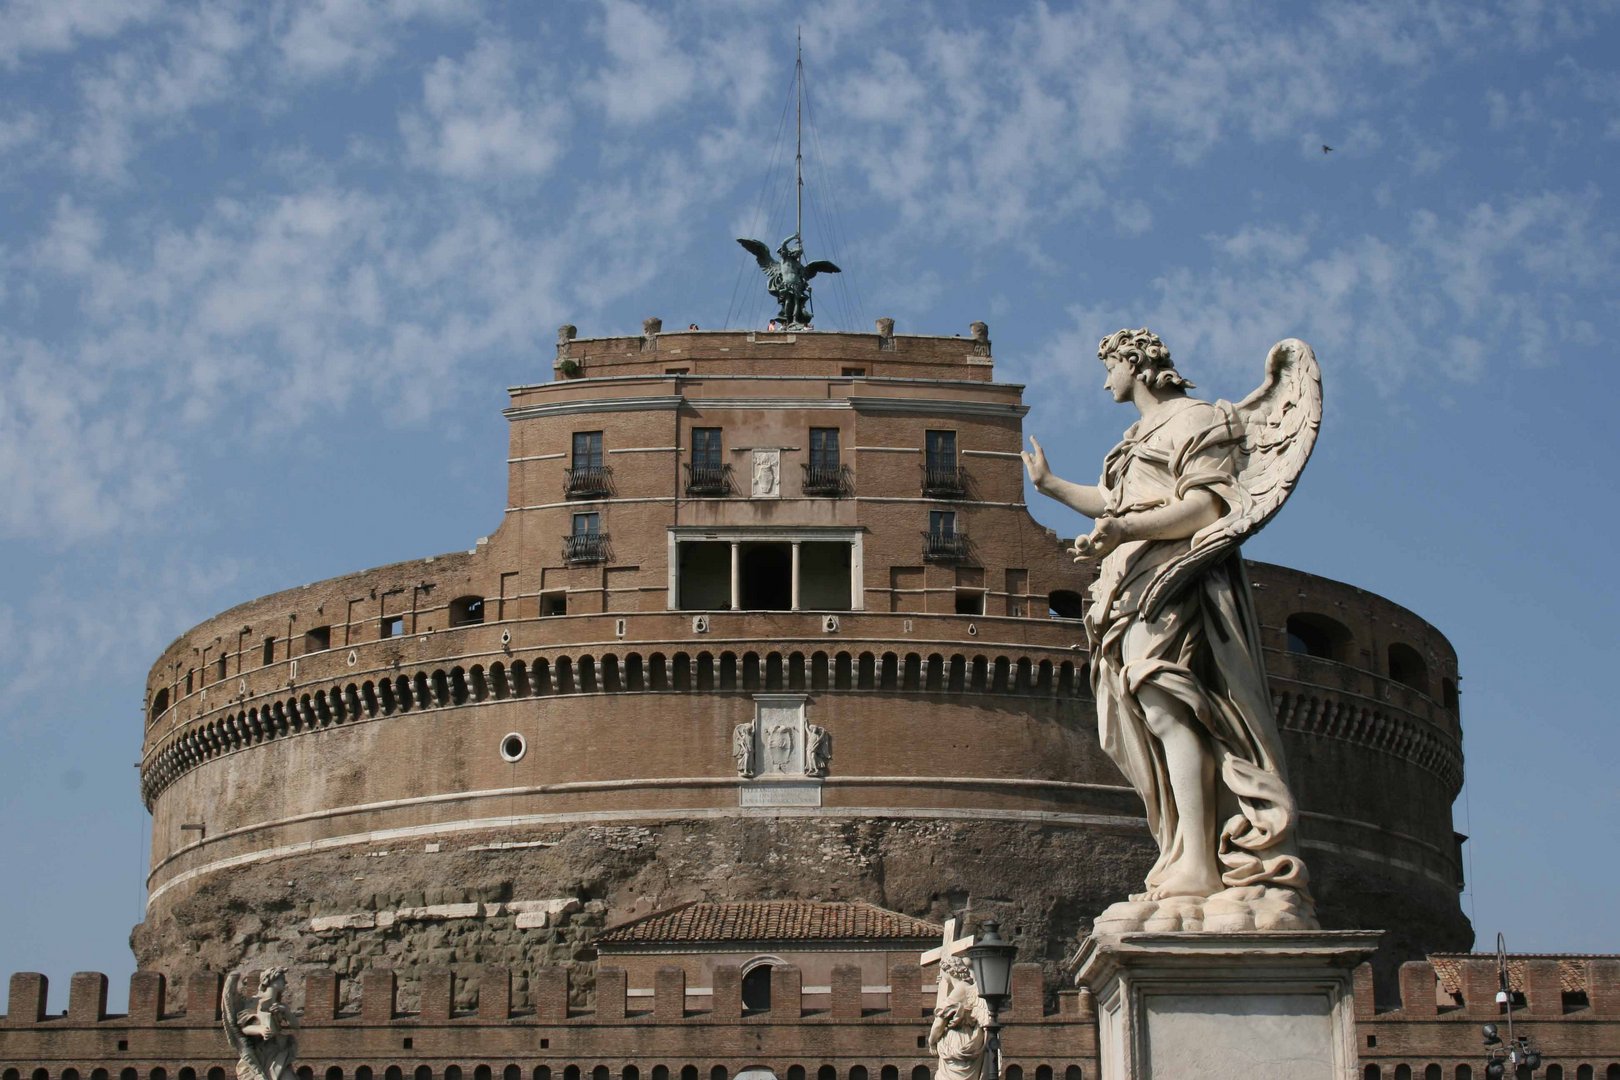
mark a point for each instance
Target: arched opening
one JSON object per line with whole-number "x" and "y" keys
{"x": 332, "y": 1073}
{"x": 689, "y": 1072}
{"x": 511, "y": 1072}
{"x": 1403, "y": 1072}
{"x": 482, "y": 1072}
{"x": 630, "y": 1073}
{"x": 160, "y": 704}
{"x": 467, "y": 611}
{"x": 601, "y": 1072}
{"x": 423, "y": 1072}
{"x": 1310, "y": 634}
{"x": 1013, "y": 1072}
{"x": 1406, "y": 666}
{"x": 718, "y": 1073}
{"x": 1554, "y": 1072}
{"x": 1448, "y": 694}
{"x": 1371, "y": 1072}
{"x": 889, "y": 1072}
{"x": 858, "y": 1072}
{"x": 756, "y": 987}
{"x": 660, "y": 1072}
{"x": 920, "y": 1072}
{"x": 1043, "y": 1072}
{"x": 826, "y": 1072}
{"x": 1064, "y": 604}
{"x": 795, "y": 1072}
{"x": 1073, "y": 1073}
{"x": 571, "y": 1072}
{"x": 542, "y": 1072}
{"x": 1466, "y": 1072}
{"x": 767, "y": 577}
{"x": 362, "y": 1072}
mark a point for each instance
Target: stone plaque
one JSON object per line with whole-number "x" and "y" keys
{"x": 781, "y": 793}
{"x": 767, "y": 474}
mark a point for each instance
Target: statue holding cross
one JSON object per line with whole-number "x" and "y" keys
{"x": 961, "y": 1017}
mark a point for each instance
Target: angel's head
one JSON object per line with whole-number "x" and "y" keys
{"x": 958, "y": 969}
{"x": 272, "y": 980}
{"x": 1139, "y": 355}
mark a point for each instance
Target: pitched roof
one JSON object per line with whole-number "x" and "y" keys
{"x": 770, "y": 920}
{"x": 1572, "y": 968}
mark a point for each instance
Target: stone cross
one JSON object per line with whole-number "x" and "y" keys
{"x": 949, "y": 946}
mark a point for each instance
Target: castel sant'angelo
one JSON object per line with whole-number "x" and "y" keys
{"x": 766, "y": 674}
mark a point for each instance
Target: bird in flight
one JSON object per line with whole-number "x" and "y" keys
{"x": 1326, "y": 149}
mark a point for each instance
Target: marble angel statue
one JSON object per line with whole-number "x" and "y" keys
{"x": 260, "y": 1033}
{"x": 961, "y": 1023}
{"x": 1182, "y": 703}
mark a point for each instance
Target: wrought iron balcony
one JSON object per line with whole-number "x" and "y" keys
{"x": 829, "y": 480}
{"x": 704, "y": 479}
{"x": 586, "y": 481}
{"x": 580, "y": 548}
{"x": 944, "y": 480}
{"x": 944, "y": 546}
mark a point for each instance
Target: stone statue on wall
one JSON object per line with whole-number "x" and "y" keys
{"x": 787, "y": 279}
{"x": 961, "y": 1019}
{"x": 742, "y": 749}
{"x": 1182, "y": 704}
{"x": 818, "y": 751}
{"x": 261, "y": 1033}
{"x": 767, "y": 474}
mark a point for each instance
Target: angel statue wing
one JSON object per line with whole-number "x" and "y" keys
{"x": 759, "y": 251}
{"x": 820, "y": 266}
{"x": 1280, "y": 420}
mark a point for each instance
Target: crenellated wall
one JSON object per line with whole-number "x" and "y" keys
{"x": 1569, "y": 1006}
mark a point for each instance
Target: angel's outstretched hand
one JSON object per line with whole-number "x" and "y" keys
{"x": 1035, "y": 464}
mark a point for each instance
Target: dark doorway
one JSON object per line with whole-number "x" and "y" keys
{"x": 767, "y": 577}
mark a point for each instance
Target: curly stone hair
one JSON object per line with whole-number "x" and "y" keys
{"x": 1148, "y": 356}
{"x": 958, "y": 969}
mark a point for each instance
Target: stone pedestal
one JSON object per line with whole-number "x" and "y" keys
{"x": 1256, "y": 1005}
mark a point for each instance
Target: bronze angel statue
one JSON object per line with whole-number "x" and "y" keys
{"x": 787, "y": 278}
{"x": 261, "y": 1033}
{"x": 1182, "y": 703}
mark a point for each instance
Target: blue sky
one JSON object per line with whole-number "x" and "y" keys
{"x": 267, "y": 268}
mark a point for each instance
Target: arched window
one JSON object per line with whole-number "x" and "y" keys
{"x": 718, "y": 1073}
{"x": 1403, "y": 1072}
{"x": 631, "y": 1073}
{"x": 542, "y": 1072}
{"x": 756, "y": 987}
{"x": 1013, "y": 1072}
{"x": 160, "y": 704}
{"x": 126, "y": 1074}
{"x": 689, "y": 1072}
{"x": 826, "y": 1072}
{"x": 1466, "y": 1072}
{"x": 73, "y": 1074}
{"x": 795, "y": 1072}
{"x": 424, "y": 1072}
{"x": 1371, "y": 1072}
{"x": 333, "y": 1073}
{"x": 1064, "y": 604}
{"x": 1406, "y": 666}
{"x": 1310, "y": 634}
{"x": 889, "y": 1072}
{"x": 920, "y": 1072}
{"x": 101, "y": 1074}
{"x": 601, "y": 1072}
{"x": 660, "y": 1072}
{"x": 482, "y": 1072}
{"x": 1554, "y": 1072}
{"x": 1072, "y": 1073}
{"x": 857, "y": 1072}
{"x": 1433, "y": 1072}
{"x": 362, "y": 1072}
{"x": 1448, "y": 694}
{"x": 393, "y": 1072}
{"x": 467, "y": 611}
{"x": 1043, "y": 1072}
{"x": 159, "y": 1073}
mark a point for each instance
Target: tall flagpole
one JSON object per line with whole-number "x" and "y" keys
{"x": 798, "y": 136}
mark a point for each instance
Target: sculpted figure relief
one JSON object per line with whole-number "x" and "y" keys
{"x": 960, "y": 1018}
{"x": 818, "y": 752}
{"x": 1182, "y": 703}
{"x": 742, "y": 749}
{"x": 262, "y": 1033}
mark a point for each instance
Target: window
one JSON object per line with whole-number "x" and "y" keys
{"x": 268, "y": 653}
{"x": 969, "y": 602}
{"x": 942, "y": 542}
{"x": 1064, "y": 604}
{"x": 391, "y": 626}
{"x": 706, "y": 447}
{"x": 555, "y": 603}
{"x": 585, "y": 543}
{"x": 677, "y": 370}
{"x": 1406, "y": 666}
{"x": 160, "y": 703}
{"x": 586, "y": 474}
{"x": 317, "y": 638}
{"x": 220, "y": 670}
{"x": 1310, "y": 634}
{"x": 706, "y": 472}
{"x": 854, "y": 372}
{"x": 941, "y": 475}
{"x": 467, "y": 611}
{"x": 190, "y": 676}
{"x": 942, "y": 522}
{"x": 823, "y": 476}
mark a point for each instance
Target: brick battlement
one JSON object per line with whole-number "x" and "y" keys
{"x": 1570, "y": 1006}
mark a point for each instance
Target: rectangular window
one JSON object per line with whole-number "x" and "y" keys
{"x": 553, "y": 604}
{"x": 706, "y": 447}
{"x": 942, "y": 522}
{"x": 823, "y": 449}
{"x": 940, "y": 448}
{"x": 269, "y": 653}
{"x": 854, "y": 372}
{"x": 190, "y": 675}
{"x": 587, "y": 524}
{"x": 587, "y": 449}
{"x": 317, "y": 639}
{"x": 220, "y": 670}
{"x": 969, "y": 602}
{"x": 391, "y": 626}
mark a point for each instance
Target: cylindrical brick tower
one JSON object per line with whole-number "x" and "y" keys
{"x": 766, "y": 617}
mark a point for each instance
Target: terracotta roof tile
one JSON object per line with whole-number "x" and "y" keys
{"x": 771, "y": 920}
{"x": 1571, "y": 969}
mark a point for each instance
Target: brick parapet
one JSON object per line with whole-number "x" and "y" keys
{"x": 1426, "y": 1027}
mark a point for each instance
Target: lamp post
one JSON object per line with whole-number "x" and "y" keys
{"x": 990, "y": 958}
{"x": 1517, "y": 1051}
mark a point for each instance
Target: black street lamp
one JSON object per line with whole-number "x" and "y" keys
{"x": 990, "y": 958}
{"x": 1516, "y": 1052}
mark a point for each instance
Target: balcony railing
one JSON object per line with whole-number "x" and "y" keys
{"x": 586, "y": 481}
{"x": 702, "y": 479}
{"x": 579, "y": 548}
{"x": 944, "y": 546}
{"x": 944, "y": 480}
{"x": 828, "y": 480}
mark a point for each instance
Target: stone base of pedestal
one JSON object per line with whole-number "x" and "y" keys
{"x": 1256, "y": 1005}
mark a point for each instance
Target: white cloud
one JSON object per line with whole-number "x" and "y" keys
{"x": 648, "y": 73}
{"x": 36, "y": 26}
{"x": 483, "y": 119}
{"x": 321, "y": 38}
